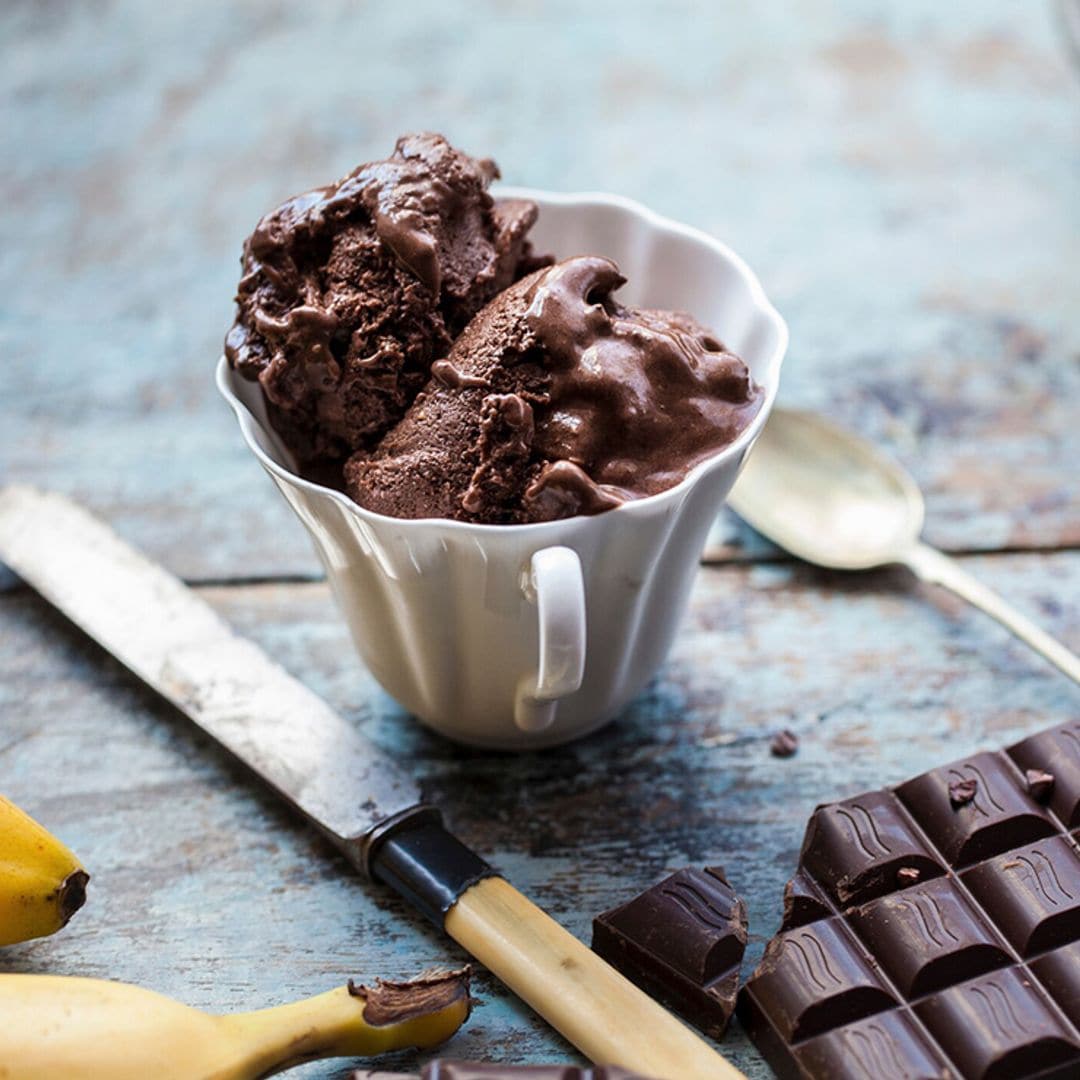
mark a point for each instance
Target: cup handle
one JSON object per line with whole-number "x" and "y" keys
{"x": 555, "y": 584}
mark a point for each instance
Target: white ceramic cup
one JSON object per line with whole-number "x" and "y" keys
{"x": 524, "y": 636}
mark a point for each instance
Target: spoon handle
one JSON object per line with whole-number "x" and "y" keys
{"x": 931, "y": 565}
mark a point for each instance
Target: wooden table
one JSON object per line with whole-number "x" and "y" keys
{"x": 905, "y": 182}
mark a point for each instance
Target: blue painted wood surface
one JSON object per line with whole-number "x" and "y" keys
{"x": 904, "y": 179}
{"x": 205, "y": 888}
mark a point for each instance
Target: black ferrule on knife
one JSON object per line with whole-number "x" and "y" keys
{"x": 425, "y": 863}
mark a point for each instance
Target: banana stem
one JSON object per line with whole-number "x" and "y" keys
{"x": 333, "y": 1025}
{"x": 274, "y": 1039}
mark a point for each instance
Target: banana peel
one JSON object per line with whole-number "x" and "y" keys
{"x": 59, "y": 1027}
{"x": 42, "y": 884}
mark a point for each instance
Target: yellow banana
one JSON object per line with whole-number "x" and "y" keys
{"x": 58, "y": 1027}
{"x": 42, "y": 884}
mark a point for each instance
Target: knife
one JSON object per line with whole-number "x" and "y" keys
{"x": 344, "y": 785}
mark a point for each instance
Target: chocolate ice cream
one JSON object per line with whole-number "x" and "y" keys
{"x": 351, "y": 291}
{"x": 554, "y": 401}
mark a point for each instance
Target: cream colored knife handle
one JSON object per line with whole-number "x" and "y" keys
{"x": 602, "y": 1013}
{"x": 931, "y": 565}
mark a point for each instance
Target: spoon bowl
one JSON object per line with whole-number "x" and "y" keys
{"x": 827, "y": 496}
{"x": 835, "y": 500}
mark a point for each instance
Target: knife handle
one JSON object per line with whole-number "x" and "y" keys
{"x": 592, "y": 1005}
{"x": 596, "y": 1008}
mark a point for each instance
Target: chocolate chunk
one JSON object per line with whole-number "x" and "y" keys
{"x": 961, "y": 792}
{"x": 1000, "y": 814}
{"x": 999, "y": 1026}
{"x": 682, "y": 941}
{"x": 784, "y": 744}
{"x": 803, "y": 902}
{"x": 1056, "y": 752}
{"x": 925, "y": 936}
{"x": 1039, "y": 784}
{"x": 854, "y": 849}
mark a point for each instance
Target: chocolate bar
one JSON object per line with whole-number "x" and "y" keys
{"x": 682, "y": 941}
{"x": 933, "y": 929}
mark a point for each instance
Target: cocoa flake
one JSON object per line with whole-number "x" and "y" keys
{"x": 784, "y": 744}
{"x": 961, "y": 792}
{"x": 1040, "y": 784}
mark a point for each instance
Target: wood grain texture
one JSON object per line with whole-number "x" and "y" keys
{"x": 904, "y": 179}
{"x": 206, "y": 889}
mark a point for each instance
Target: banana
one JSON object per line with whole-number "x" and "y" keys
{"x": 42, "y": 884}
{"x": 58, "y": 1027}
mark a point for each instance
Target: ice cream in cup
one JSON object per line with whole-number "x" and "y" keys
{"x": 507, "y": 465}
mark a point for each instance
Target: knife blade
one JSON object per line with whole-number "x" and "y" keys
{"x": 344, "y": 785}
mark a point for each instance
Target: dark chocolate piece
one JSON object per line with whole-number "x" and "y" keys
{"x": 784, "y": 744}
{"x": 682, "y": 941}
{"x": 1032, "y": 893}
{"x": 928, "y": 937}
{"x": 855, "y": 848}
{"x": 1059, "y": 972}
{"x": 884, "y": 1046}
{"x": 804, "y": 902}
{"x": 1056, "y": 751}
{"x": 999, "y": 1027}
{"x": 817, "y": 977}
{"x": 938, "y": 928}
{"x": 1000, "y": 815}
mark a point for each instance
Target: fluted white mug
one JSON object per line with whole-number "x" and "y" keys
{"x": 524, "y": 636}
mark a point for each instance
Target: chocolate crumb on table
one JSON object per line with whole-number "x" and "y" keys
{"x": 927, "y": 937}
{"x": 784, "y": 744}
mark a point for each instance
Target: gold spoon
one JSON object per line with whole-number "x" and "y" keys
{"x": 833, "y": 499}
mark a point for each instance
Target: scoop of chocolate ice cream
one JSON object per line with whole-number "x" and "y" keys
{"x": 351, "y": 291}
{"x": 555, "y": 401}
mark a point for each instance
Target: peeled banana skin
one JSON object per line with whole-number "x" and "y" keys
{"x": 59, "y": 1027}
{"x": 42, "y": 884}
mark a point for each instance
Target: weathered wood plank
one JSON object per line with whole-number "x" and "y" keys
{"x": 903, "y": 179}
{"x": 206, "y": 889}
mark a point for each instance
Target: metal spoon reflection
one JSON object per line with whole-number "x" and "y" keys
{"x": 833, "y": 499}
